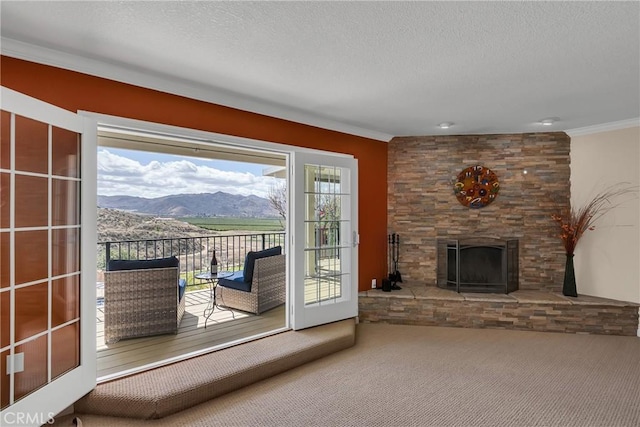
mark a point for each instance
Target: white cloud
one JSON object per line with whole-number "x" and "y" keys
{"x": 118, "y": 175}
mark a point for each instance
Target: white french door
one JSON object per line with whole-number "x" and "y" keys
{"x": 325, "y": 239}
{"x": 47, "y": 259}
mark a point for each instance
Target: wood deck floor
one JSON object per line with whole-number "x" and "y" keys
{"x": 221, "y": 328}
{"x": 192, "y": 336}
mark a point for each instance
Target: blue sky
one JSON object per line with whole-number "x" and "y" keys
{"x": 144, "y": 174}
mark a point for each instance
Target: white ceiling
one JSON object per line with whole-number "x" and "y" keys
{"x": 377, "y": 69}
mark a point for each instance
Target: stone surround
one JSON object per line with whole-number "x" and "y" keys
{"x": 544, "y": 311}
{"x": 423, "y": 208}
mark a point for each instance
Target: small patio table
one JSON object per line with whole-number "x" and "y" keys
{"x": 213, "y": 283}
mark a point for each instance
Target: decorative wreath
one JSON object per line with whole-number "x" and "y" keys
{"x": 476, "y": 187}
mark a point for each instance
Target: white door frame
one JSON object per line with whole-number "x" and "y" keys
{"x": 342, "y": 273}
{"x": 289, "y": 151}
{"x": 46, "y": 402}
{"x": 206, "y": 139}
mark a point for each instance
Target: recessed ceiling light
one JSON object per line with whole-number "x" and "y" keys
{"x": 547, "y": 122}
{"x": 445, "y": 125}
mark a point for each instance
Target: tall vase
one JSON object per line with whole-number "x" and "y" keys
{"x": 569, "y": 283}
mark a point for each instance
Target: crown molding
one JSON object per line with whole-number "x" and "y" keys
{"x": 605, "y": 127}
{"x": 46, "y": 56}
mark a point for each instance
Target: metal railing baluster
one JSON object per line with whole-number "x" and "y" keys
{"x": 193, "y": 253}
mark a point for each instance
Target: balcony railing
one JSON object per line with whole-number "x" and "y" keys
{"x": 194, "y": 253}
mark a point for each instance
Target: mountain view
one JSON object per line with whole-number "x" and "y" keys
{"x": 117, "y": 225}
{"x": 193, "y": 205}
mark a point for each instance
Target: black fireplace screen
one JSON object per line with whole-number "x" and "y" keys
{"x": 478, "y": 265}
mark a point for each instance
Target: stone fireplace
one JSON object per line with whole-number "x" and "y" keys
{"x": 439, "y": 233}
{"x": 478, "y": 265}
{"x": 534, "y": 174}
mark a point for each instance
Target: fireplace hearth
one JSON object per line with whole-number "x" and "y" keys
{"x": 478, "y": 265}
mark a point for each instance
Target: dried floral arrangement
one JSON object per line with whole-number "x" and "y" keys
{"x": 573, "y": 224}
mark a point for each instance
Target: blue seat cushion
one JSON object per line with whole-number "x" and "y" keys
{"x": 236, "y": 282}
{"x": 140, "y": 264}
{"x": 182, "y": 286}
{"x": 252, "y": 256}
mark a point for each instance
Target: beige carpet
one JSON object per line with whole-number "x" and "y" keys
{"x": 400, "y": 375}
{"x": 180, "y": 386}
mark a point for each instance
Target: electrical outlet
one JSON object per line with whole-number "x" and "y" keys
{"x": 373, "y": 283}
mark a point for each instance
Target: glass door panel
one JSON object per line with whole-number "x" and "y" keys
{"x": 40, "y": 266}
{"x": 326, "y": 277}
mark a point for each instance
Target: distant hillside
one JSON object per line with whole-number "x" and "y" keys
{"x": 193, "y": 205}
{"x": 117, "y": 225}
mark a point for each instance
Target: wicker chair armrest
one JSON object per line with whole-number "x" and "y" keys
{"x": 268, "y": 272}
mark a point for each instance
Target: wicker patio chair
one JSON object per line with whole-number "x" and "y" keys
{"x": 267, "y": 287}
{"x": 141, "y": 302}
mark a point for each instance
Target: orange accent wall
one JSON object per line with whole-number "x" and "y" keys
{"x": 76, "y": 91}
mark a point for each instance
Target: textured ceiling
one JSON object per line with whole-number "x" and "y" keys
{"x": 377, "y": 69}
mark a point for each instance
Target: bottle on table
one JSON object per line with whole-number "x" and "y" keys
{"x": 214, "y": 264}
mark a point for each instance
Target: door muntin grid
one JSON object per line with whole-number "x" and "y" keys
{"x": 327, "y": 235}
{"x": 39, "y": 254}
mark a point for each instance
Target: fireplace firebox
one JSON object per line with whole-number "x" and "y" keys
{"x": 478, "y": 265}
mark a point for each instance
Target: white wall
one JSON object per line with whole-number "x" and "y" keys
{"x": 608, "y": 258}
